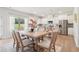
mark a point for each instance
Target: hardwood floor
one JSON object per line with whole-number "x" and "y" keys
{"x": 68, "y": 43}
{"x": 63, "y": 44}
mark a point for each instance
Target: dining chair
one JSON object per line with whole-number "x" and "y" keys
{"x": 23, "y": 37}
{"x": 48, "y": 44}
{"x": 21, "y": 43}
{"x": 15, "y": 43}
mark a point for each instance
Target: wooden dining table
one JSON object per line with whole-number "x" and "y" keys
{"x": 36, "y": 35}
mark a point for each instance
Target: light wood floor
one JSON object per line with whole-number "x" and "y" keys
{"x": 66, "y": 43}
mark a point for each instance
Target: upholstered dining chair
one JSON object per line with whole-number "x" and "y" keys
{"x": 15, "y": 43}
{"x": 23, "y": 37}
{"x": 21, "y": 43}
{"x": 48, "y": 44}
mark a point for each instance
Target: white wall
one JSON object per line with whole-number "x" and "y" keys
{"x": 4, "y": 23}
{"x": 76, "y": 26}
{"x": 0, "y": 26}
{"x": 76, "y": 34}
{"x": 5, "y": 14}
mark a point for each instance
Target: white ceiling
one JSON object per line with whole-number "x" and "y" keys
{"x": 45, "y": 11}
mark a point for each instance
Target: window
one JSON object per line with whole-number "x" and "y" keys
{"x": 19, "y": 24}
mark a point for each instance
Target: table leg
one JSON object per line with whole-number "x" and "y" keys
{"x": 34, "y": 45}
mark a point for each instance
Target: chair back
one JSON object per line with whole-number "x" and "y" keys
{"x": 53, "y": 40}
{"x": 14, "y": 36}
{"x": 19, "y": 39}
{"x": 42, "y": 28}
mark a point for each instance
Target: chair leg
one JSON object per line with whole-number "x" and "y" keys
{"x": 22, "y": 49}
{"x": 54, "y": 49}
{"x": 13, "y": 43}
{"x": 17, "y": 48}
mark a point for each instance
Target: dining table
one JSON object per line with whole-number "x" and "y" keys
{"x": 36, "y": 35}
